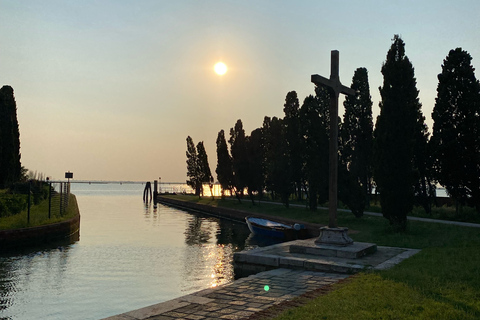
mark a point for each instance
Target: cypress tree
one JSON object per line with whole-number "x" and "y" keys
{"x": 357, "y": 132}
{"x": 204, "y": 168}
{"x": 239, "y": 157}
{"x": 424, "y": 187}
{"x": 456, "y": 129}
{"x": 315, "y": 150}
{"x": 224, "y": 168}
{"x": 394, "y": 136}
{"x": 291, "y": 122}
{"x": 193, "y": 169}
{"x": 255, "y": 155}
{"x": 10, "y": 167}
{"x": 278, "y": 179}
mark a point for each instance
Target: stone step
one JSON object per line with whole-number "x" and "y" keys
{"x": 245, "y": 264}
{"x": 353, "y": 251}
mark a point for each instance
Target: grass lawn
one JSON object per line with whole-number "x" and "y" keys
{"x": 39, "y": 215}
{"x": 440, "y": 282}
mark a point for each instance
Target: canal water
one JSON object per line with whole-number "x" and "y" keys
{"x": 129, "y": 255}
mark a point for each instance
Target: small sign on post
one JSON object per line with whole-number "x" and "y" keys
{"x": 68, "y": 176}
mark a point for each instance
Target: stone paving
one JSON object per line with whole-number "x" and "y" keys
{"x": 239, "y": 299}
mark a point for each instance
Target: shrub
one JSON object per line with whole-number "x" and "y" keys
{"x": 12, "y": 204}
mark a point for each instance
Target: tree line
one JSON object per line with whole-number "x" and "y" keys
{"x": 289, "y": 156}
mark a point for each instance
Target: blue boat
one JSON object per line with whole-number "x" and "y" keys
{"x": 269, "y": 228}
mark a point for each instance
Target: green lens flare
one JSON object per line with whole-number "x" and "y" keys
{"x": 266, "y": 288}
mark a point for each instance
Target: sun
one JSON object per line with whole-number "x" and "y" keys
{"x": 220, "y": 68}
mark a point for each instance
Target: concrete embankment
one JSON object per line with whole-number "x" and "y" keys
{"x": 29, "y": 237}
{"x": 237, "y": 215}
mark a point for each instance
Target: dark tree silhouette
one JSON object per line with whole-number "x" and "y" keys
{"x": 204, "y": 168}
{"x": 255, "y": 179}
{"x": 291, "y": 122}
{"x": 193, "y": 169}
{"x": 315, "y": 149}
{"x": 239, "y": 158}
{"x": 456, "y": 129}
{"x": 357, "y": 132}
{"x": 10, "y": 167}
{"x": 394, "y": 136}
{"x": 224, "y": 168}
{"x": 278, "y": 179}
{"x": 424, "y": 186}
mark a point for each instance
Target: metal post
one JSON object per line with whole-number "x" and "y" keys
{"x": 29, "y": 201}
{"x": 67, "y": 194}
{"x": 49, "y": 200}
{"x": 61, "y": 197}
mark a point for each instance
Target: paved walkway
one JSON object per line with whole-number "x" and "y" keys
{"x": 239, "y": 299}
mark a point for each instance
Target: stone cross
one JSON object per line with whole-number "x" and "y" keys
{"x": 335, "y": 87}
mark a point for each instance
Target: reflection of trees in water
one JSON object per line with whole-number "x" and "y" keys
{"x": 208, "y": 259}
{"x": 231, "y": 232}
{"x": 227, "y": 232}
{"x": 197, "y": 233}
{"x": 7, "y": 286}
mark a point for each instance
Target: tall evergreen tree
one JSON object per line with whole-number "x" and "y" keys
{"x": 224, "y": 168}
{"x": 424, "y": 186}
{"x": 10, "y": 167}
{"x": 239, "y": 157}
{"x": 255, "y": 155}
{"x": 204, "y": 168}
{"x": 315, "y": 150}
{"x": 394, "y": 136}
{"x": 357, "y": 132}
{"x": 193, "y": 169}
{"x": 456, "y": 129}
{"x": 277, "y": 171}
{"x": 291, "y": 122}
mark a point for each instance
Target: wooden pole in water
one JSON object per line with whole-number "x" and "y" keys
{"x": 155, "y": 190}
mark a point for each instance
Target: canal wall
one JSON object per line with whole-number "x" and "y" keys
{"x": 34, "y": 236}
{"x": 313, "y": 229}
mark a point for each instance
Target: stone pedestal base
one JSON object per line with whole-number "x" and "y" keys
{"x": 334, "y": 236}
{"x": 353, "y": 251}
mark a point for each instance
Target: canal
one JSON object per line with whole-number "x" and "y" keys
{"x": 129, "y": 255}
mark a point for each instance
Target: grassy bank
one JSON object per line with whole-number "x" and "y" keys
{"x": 441, "y": 282}
{"x": 39, "y": 215}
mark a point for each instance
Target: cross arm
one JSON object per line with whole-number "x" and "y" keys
{"x": 319, "y": 80}
{"x": 347, "y": 90}
{"x": 336, "y": 86}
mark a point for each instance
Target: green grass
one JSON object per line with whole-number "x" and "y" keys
{"x": 465, "y": 214}
{"x": 440, "y": 282}
{"x": 39, "y": 215}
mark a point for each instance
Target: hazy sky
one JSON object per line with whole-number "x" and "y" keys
{"x": 111, "y": 89}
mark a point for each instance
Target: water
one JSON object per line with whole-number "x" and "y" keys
{"x": 128, "y": 256}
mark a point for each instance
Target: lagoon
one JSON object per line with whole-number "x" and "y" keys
{"x": 129, "y": 255}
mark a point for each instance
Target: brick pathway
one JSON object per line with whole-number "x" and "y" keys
{"x": 239, "y": 299}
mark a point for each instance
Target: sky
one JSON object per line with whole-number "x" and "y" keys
{"x": 110, "y": 90}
